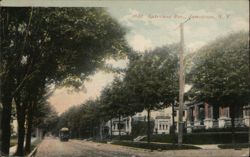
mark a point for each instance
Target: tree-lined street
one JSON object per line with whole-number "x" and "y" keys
{"x": 165, "y": 101}
{"x": 52, "y": 147}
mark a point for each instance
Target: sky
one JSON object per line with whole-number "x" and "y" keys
{"x": 153, "y": 24}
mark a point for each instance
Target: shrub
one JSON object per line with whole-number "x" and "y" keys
{"x": 214, "y": 138}
{"x": 167, "y": 138}
{"x": 202, "y": 138}
{"x": 123, "y": 137}
{"x": 141, "y": 128}
{"x": 154, "y": 146}
{"x": 239, "y": 129}
{"x": 231, "y": 146}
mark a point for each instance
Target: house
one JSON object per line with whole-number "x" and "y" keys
{"x": 162, "y": 121}
{"x": 195, "y": 116}
{"x": 204, "y": 115}
{"x": 125, "y": 126}
{"x": 162, "y": 124}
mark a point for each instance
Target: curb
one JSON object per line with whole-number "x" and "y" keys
{"x": 33, "y": 153}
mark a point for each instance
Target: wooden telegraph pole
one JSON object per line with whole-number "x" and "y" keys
{"x": 181, "y": 85}
{"x": 0, "y": 128}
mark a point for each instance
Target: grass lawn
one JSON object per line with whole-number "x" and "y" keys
{"x": 236, "y": 146}
{"x": 153, "y": 146}
{"x": 13, "y": 141}
{"x": 35, "y": 143}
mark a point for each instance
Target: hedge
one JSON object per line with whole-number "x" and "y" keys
{"x": 231, "y": 146}
{"x": 202, "y": 138}
{"x": 202, "y": 130}
{"x": 123, "y": 137}
{"x": 154, "y": 146}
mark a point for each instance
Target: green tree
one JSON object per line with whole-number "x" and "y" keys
{"x": 220, "y": 73}
{"x": 58, "y": 43}
{"x": 45, "y": 117}
{"x": 116, "y": 102}
{"x": 153, "y": 79}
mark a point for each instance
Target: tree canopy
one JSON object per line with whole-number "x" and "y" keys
{"x": 220, "y": 72}
{"x": 153, "y": 77}
{"x": 63, "y": 46}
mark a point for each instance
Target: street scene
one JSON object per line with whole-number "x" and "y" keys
{"x": 125, "y": 79}
{"x": 53, "y": 147}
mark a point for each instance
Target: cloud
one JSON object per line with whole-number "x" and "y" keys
{"x": 193, "y": 46}
{"x": 62, "y": 99}
{"x": 140, "y": 43}
{"x": 134, "y": 16}
{"x": 184, "y": 11}
{"x": 239, "y": 23}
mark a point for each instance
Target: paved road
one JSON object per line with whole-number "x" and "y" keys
{"x": 54, "y": 148}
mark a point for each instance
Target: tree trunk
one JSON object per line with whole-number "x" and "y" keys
{"x": 6, "y": 128}
{"x": 148, "y": 139}
{"x": 173, "y": 123}
{"x": 29, "y": 127}
{"x": 119, "y": 127}
{"x": 100, "y": 129}
{"x": 21, "y": 129}
{"x": 232, "y": 115}
{"x": 92, "y": 129}
{"x": 79, "y": 132}
{"x": 0, "y": 129}
{"x": 111, "y": 132}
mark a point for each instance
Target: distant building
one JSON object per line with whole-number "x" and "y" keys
{"x": 162, "y": 124}
{"x": 125, "y": 126}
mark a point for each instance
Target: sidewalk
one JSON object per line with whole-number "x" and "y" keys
{"x": 208, "y": 146}
{"x": 13, "y": 148}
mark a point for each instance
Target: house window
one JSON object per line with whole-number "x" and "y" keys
{"x": 247, "y": 112}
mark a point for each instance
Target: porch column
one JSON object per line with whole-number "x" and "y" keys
{"x": 211, "y": 111}
{"x": 197, "y": 115}
{"x": 188, "y": 114}
{"x": 116, "y": 126}
{"x": 221, "y": 112}
{"x": 189, "y": 119}
{"x": 224, "y": 117}
{"x": 197, "y": 112}
{"x": 227, "y": 112}
{"x": 206, "y": 111}
{"x": 158, "y": 125}
{"x": 208, "y": 122}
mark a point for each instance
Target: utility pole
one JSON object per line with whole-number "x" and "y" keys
{"x": 248, "y": 108}
{"x": 0, "y": 128}
{"x": 181, "y": 85}
{"x": 173, "y": 123}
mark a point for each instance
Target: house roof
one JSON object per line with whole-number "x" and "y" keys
{"x": 189, "y": 104}
{"x": 162, "y": 117}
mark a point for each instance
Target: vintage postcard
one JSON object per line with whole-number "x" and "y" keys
{"x": 143, "y": 78}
